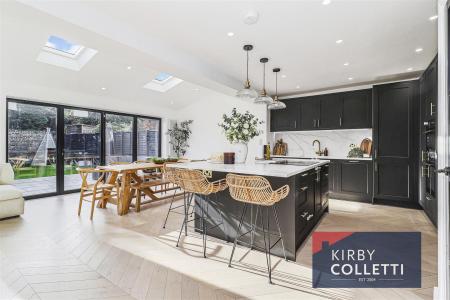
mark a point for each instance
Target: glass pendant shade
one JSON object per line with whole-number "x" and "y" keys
{"x": 247, "y": 93}
{"x": 277, "y": 105}
{"x": 264, "y": 99}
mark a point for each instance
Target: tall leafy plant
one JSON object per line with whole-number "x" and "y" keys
{"x": 179, "y": 136}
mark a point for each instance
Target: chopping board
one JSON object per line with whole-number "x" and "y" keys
{"x": 366, "y": 146}
{"x": 280, "y": 148}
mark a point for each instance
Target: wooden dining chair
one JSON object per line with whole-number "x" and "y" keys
{"x": 99, "y": 190}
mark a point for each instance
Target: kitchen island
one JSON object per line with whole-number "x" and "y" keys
{"x": 299, "y": 212}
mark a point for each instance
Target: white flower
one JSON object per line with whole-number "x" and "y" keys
{"x": 246, "y": 125}
{"x": 245, "y": 131}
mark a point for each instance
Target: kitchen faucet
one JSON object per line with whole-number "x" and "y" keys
{"x": 318, "y": 152}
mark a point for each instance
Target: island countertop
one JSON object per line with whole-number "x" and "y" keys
{"x": 262, "y": 168}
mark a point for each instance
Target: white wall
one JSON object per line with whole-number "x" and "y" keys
{"x": 207, "y": 137}
{"x": 58, "y": 96}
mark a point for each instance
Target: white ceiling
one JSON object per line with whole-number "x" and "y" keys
{"x": 23, "y": 33}
{"x": 189, "y": 39}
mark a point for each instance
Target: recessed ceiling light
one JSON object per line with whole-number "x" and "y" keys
{"x": 230, "y": 33}
{"x": 409, "y": 69}
{"x": 339, "y": 41}
{"x": 171, "y": 102}
{"x": 432, "y": 18}
{"x": 418, "y": 50}
{"x": 129, "y": 68}
{"x": 346, "y": 64}
{"x": 103, "y": 88}
{"x": 350, "y": 78}
{"x": 283, "y": 76}
{"x": 196, "y": 89}
{"x": 326, "y": 2}
{"x": 297, "y": 87}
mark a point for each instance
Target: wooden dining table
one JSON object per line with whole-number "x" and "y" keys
{"x": 130, "y": 178}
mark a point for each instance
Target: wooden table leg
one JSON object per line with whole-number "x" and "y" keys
{"x": 125, "y": 192}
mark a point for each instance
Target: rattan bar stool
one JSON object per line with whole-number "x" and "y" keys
{"x": 257, "y": 191}
{"x": 195, "y": 182}
{"x": 169, "y": 173}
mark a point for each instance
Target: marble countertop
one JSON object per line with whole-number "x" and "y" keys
{"x": 321, "y": 157}
{"x": 262, "y": 168}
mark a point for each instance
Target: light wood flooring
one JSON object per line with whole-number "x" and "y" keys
{"x": 51, "y": 253}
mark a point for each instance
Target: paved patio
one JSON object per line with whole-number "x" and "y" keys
{"x": 44, "y": 185}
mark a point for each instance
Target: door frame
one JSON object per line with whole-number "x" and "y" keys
{"x": 442, "y": 290}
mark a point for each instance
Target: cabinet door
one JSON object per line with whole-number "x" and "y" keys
{"x": 396, "y": 148}
{"x": 357, "y": 109}
{"x": 330, "y": 111}
{"x": 309, "y": 113}
{"x": 354, "y": 177}
{"x": 285, "y": 119}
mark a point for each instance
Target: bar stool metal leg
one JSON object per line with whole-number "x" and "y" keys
{"x": 185, "y": 218}
{"x": 266, "y": 247}
{"x": 170, "y": 208}
{"x": 275, "y": 212}
{"x": 237, "y": 233}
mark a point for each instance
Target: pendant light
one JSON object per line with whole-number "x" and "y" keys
{"x": 247, "y": 93}
{"x": 263, "y": 98}
{"x": 276, "y": 103}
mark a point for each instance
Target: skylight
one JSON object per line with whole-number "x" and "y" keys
{"x": 60, "y": 44}
{"x": 162, "y": 77}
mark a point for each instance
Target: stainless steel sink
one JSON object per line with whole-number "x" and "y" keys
{"x": 295, "y": 162}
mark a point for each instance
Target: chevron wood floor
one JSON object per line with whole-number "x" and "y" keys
{"x": 50, "y": 253}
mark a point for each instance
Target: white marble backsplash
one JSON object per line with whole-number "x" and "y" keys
{"x": 336, "y": 141}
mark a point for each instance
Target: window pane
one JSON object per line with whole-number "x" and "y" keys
{"x": 119, "y": 138}
{"x": 148, "y": 138}
{"x": 82, "y": 144}
{"x": 32, "y": 147}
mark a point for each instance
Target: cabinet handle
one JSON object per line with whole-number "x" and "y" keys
{"x": 304, "y": 214}
{"x": 295, "y": 123}
{"x": 306, "y": 174}
{"x": 376, "y": 153}
{"x": 309, "y": 217}
{"x": 340, "y": 121}
{"x": 326, "y": 174}
{"x": 318, "y": 123}
{"x": 304, "y": 188}
{"x": 431, "y": 108}
{"x": 314, "y": 123}
{"x": 353, "y": 161}
{"x": 376, "y": 167}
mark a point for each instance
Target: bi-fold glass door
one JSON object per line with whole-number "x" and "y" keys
{"x": 47, "y": 143}
{"x": 33, "y": 147}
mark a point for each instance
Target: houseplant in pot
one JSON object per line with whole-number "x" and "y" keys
{"x": 239, "y": 129}
{"x": 179, "y": 135}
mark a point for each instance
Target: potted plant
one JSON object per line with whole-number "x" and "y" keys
{"x": 239, "y": 129}
{"x": 179, "y": 136}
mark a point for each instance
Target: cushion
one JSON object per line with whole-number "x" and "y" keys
{"x": 6, "y": 174}
{"x": 8, "y": 192}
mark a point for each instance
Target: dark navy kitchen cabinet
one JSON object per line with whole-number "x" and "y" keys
{"x": 309, "y": 113}
{"x": 357, "y": 109}
{"x": 285, "y": 119}
{"x": 396, "y": 143}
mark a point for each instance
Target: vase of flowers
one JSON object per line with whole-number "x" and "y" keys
{"x": 239, "y": 129}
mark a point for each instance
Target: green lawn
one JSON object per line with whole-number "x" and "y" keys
{"x": 44, "y": 171}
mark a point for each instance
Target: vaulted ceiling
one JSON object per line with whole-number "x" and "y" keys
{"x": 190, "y": 40}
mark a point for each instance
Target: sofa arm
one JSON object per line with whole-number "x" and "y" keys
{"x": 6, "y": 174}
